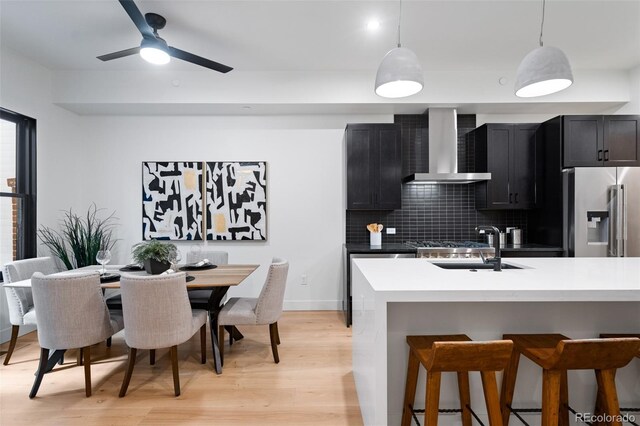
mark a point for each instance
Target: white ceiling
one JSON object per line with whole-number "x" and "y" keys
{"x": 326, "y": 35}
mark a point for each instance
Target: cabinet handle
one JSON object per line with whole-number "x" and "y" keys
{"x": 510, "y": 198}
{"x": 599, "y": 155}
{"x": 606, "y": 155}
{"x": 516, "y": 198}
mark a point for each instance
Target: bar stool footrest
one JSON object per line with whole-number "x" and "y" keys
{"x": 415, "y": 411}
{"x": 515, "y": 411}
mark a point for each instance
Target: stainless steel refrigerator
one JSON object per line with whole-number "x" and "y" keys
{"x": 602, "y": 211}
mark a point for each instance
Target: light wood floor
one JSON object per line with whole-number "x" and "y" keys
{"x": 312, "y": 385}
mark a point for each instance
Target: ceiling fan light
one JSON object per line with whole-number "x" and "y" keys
{"x": 543, "y": 71}
{"x": 399, "y": 74}
{"x": 154, "y": 51}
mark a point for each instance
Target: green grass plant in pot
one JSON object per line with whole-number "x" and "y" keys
{"x": 154, "y": 255}
{"x": 80, "y": 237}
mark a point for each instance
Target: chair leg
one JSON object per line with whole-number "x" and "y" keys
{"x": 273, "y": 332}
{"x": 12, "y": 343}
{"x": 492, "y": 400}
{"x": 508, "y": 386}
{"x": 42, "y": 368}
{"x": 277, "y": 332}
{"x": 410, "y": 388}
{"x": 127, "y": 375}
{"x": 79, "y": 356}
{"x": 203, "y": 343}
{"x": 550, "y": 397}
{"x": 221, "y": 342}
{"x": 432, "y": 398}
{"x": 152, "y": 357}
{"x": 465, "y": 397}
{"x": 607, "y": 384}
{"x": 108, "y": 342}
{"x": 86, "y": 352}
{"x": 563, "y": 411}
{"x": 174, "y": 367}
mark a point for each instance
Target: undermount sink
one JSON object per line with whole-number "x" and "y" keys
{"x": 471, "y": 266}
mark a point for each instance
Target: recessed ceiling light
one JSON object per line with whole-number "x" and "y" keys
{"x": 373, "y": 25}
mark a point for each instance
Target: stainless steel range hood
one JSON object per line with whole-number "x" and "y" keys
{"x": 443, "y": 152}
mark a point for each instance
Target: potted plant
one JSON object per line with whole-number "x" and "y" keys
{"x": 155, "y": 255}
{"x": 81, "y": 237}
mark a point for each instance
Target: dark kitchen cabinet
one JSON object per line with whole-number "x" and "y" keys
{"x": 508, "y": 152}
{"x": 373, "y": 166}
{"x": 596, "y": 140}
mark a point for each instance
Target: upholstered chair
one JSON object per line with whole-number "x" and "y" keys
{"x": 200, "y": 298}
{"x": 71, "y": 314}
{"x": 266, "y": 309}
{"x": 20, "y": 300}
{"x": 157, "y": 314}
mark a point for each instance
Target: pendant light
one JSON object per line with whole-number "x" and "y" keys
{"x": 543, "y": 71}
{"x": 399, "y": 74}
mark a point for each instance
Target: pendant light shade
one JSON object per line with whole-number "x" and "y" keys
{"x": 543, "y": 71}
{"x": 399, "y": 74}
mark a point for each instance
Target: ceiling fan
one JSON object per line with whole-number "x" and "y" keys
{"x": 153, "y": 48}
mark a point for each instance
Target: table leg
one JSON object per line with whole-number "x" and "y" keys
{"x": 234, "y": 332}
{"x": 214, "y": 309}
{"x": 213, "y": 324}
{"x": 54, "y": 358}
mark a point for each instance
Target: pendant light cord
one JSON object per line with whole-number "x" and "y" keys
{"x": 542, "y": 23}
{"x": 399, "y": 22}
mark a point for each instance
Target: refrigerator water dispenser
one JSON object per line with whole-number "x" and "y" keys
{"x": 597, "y": 227}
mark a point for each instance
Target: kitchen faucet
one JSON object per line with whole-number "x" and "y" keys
{"x": 496, "y": 260}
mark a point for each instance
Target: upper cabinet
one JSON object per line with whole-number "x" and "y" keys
{"x": 596, "y": 140}
{"x": 374, "y": 162}
{"x": 508, "y": 152}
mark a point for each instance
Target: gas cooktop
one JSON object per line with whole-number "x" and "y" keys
{"x": 447, "y": 244}
{"x": 451, "y": 249}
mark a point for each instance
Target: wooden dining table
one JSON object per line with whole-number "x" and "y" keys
{"x": 218, "y": 280}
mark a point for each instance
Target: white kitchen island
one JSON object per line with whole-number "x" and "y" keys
{"x": 578, "y": 297}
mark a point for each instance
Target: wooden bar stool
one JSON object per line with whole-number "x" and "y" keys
{"x": 599, "y": 402}
{"x": 454, "y": 353}
{"x": 556, "y": 354}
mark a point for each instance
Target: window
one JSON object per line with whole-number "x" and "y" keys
{"x": 17, "y": 186}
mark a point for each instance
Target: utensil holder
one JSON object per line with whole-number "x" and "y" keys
{"x": 375, "y": 238}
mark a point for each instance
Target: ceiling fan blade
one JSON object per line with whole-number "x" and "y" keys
{"x": 120, "y": 54}
{"x": 198, "y": 60}
{"x": 137, "y": 18}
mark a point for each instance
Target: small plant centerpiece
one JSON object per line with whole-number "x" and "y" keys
{"x": 80, "y": 237}
{"x": 155, "y": 255}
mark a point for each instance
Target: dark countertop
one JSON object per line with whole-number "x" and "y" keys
{"x": 530, "y": 247}
{"x": 403, "y": 248}
{"x": 384, "y": 248}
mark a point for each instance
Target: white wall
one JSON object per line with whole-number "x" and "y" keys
{"x": 304, "y": 176}
{"x": 25, "y": 87}
{"x": 633, "y": 107}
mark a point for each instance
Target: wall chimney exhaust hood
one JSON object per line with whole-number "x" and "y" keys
{"x": 443, "y": 152}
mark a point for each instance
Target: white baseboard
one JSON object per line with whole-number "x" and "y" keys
{"x": 5, "y": 333}
{"x": 312, "y": 305}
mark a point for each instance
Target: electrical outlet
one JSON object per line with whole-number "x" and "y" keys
{"x": 391, "y": 231}
{"x": 303, "y": 280}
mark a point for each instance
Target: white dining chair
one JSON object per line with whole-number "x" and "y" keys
{"x": 20, "y": 300}
{"x": 157, "y": 314}
{"x": 200, "y": 298}
{"x": 266, "y": 309}
{"x": 71, "y": 314}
